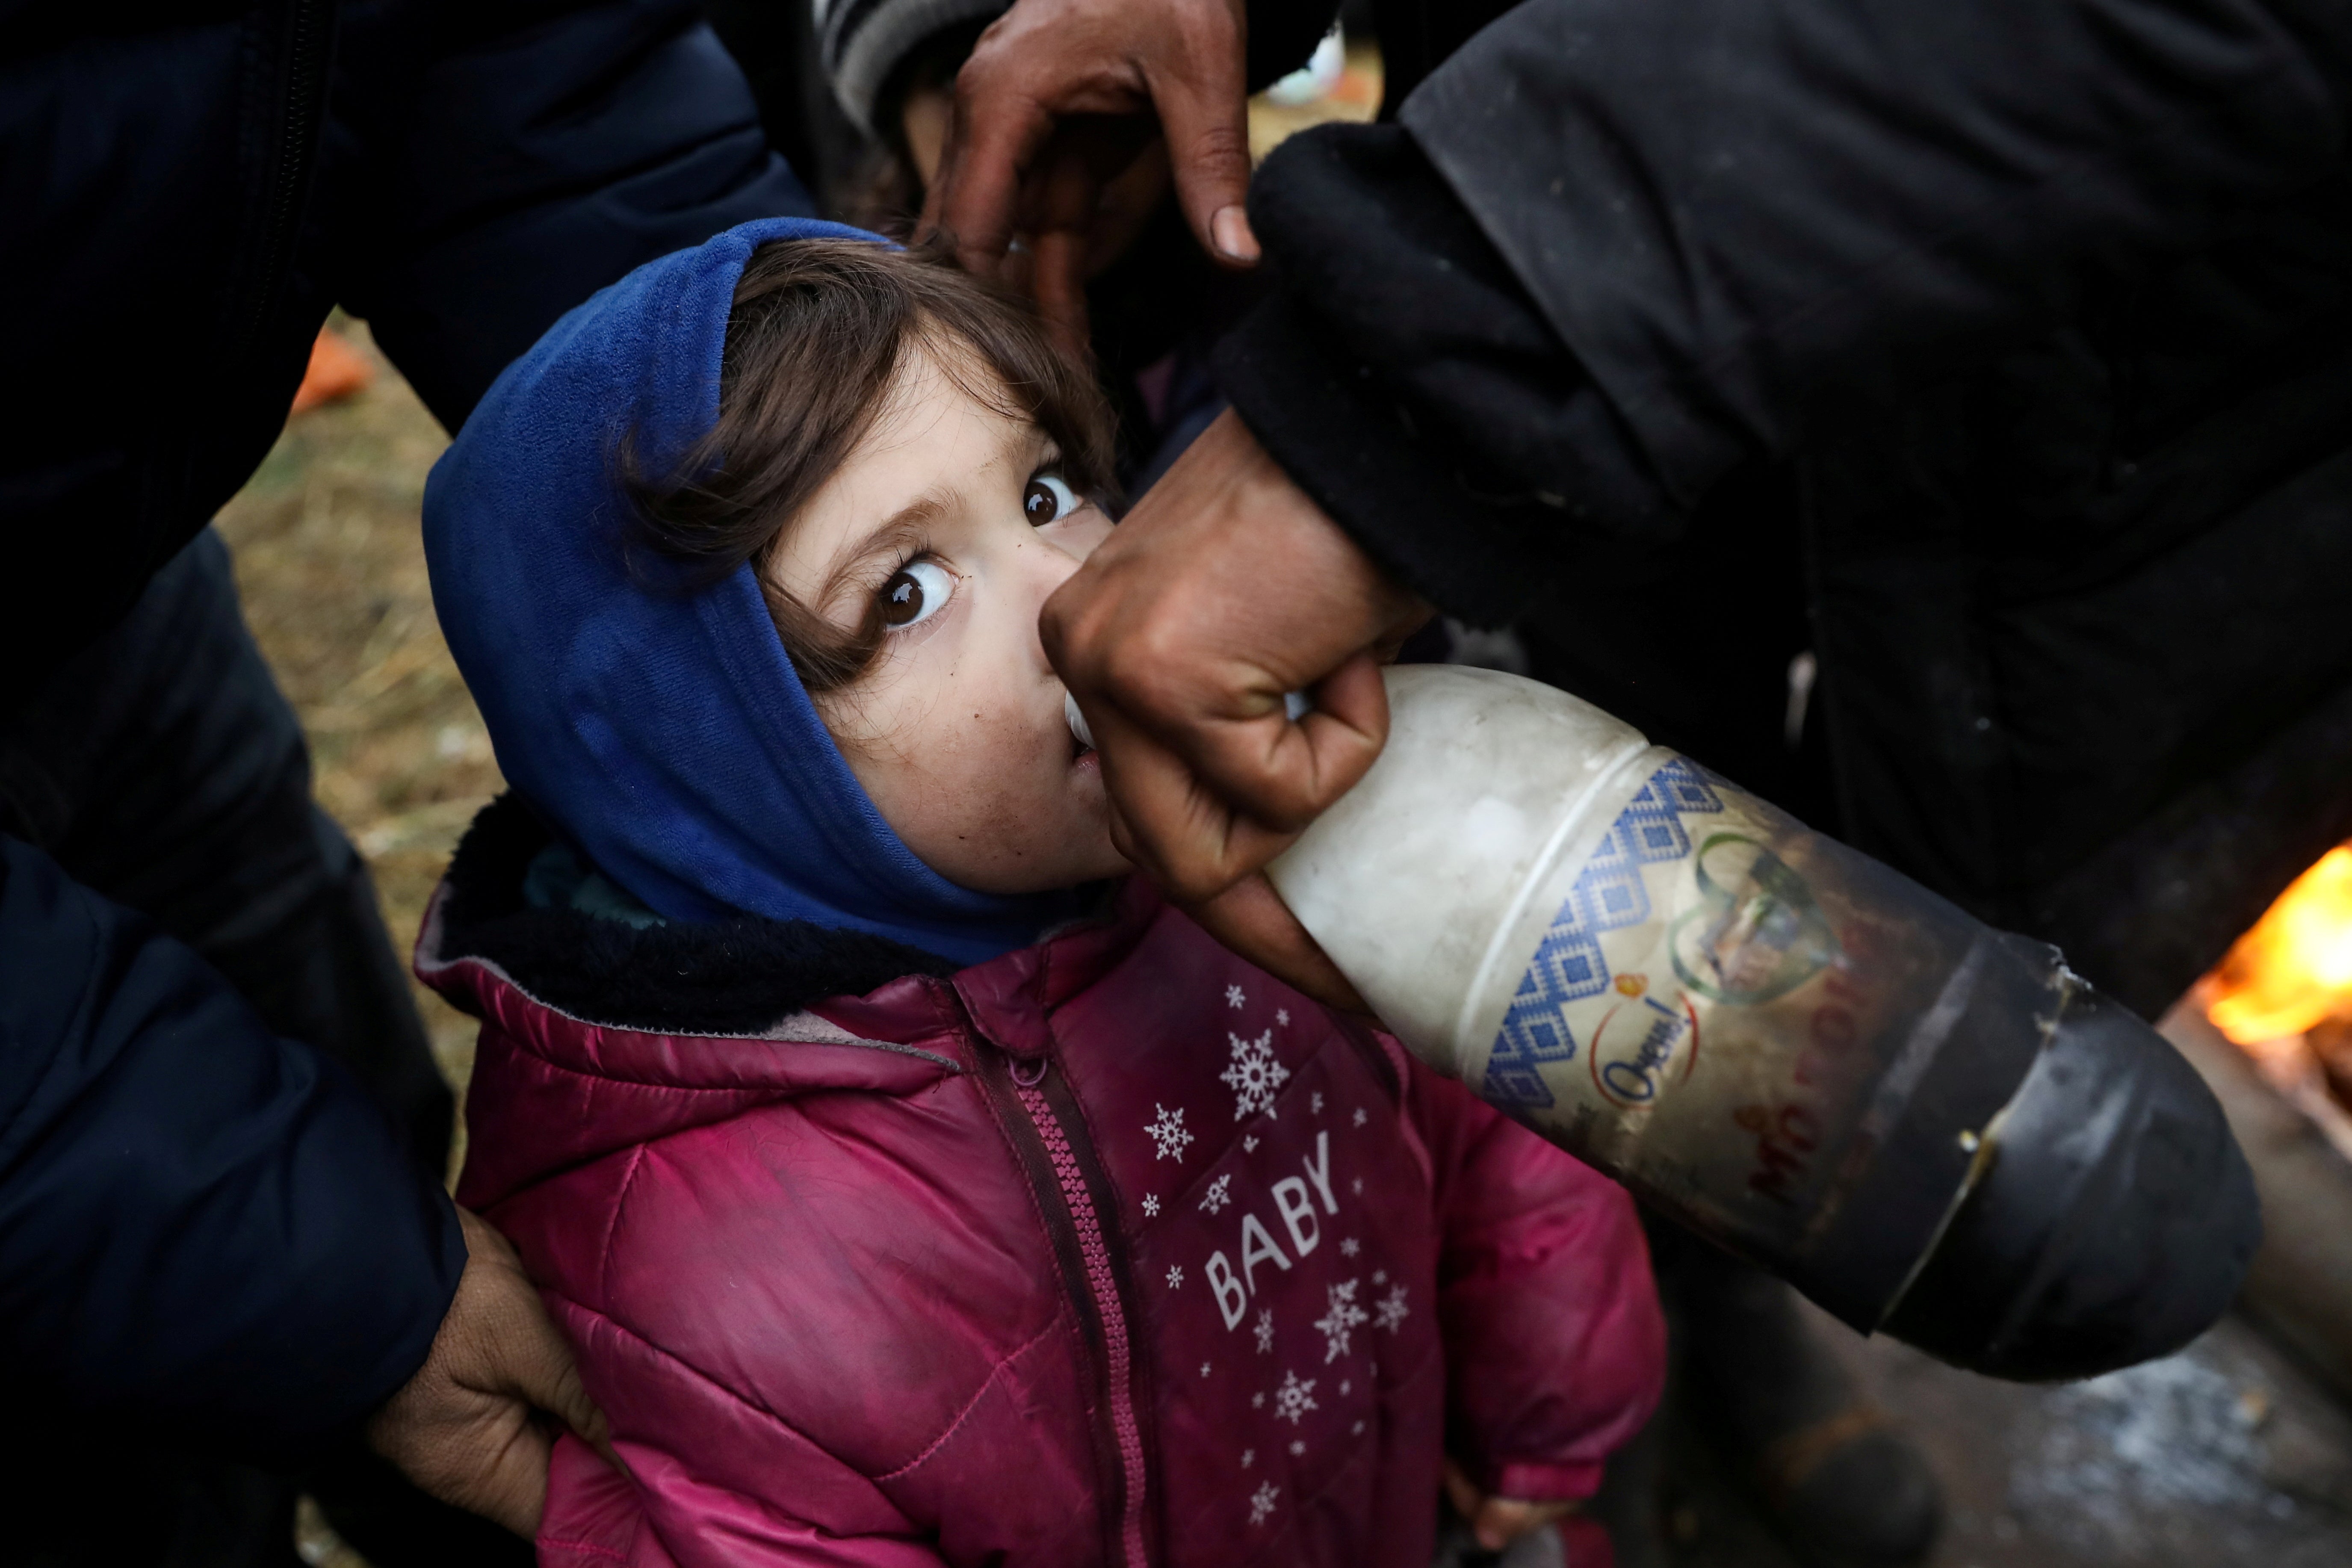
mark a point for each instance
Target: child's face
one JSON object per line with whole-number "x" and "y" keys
{"x": 954, "y": 518}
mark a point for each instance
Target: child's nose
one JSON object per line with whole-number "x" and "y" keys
{"x": 1045, "y": 570}
{"x": 1066, "y": 549}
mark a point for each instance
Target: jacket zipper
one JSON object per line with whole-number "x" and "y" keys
{"x": 1057, "y": 1164}
{"x": 308, "y": 43}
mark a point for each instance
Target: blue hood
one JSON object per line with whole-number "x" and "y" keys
{"x": 664, "y": 733}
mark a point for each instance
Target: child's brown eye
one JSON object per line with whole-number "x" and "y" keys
{"x": 916, "y": 592}
{"x": 1048, "y": 499}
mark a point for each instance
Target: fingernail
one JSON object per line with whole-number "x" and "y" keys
{"x": 1229, "y": 228}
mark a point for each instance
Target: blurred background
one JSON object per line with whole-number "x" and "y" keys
{"x": 331, "y": 563}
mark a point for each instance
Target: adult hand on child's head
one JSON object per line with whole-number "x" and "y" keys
{"x": 465, "y": 1428}
{"x": 1496, "y": 1522}
{"x": 1223, "y": 589}
{"x": 1069, "y": 113}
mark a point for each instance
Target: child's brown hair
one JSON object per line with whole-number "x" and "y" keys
{"x": 816, "y": 340}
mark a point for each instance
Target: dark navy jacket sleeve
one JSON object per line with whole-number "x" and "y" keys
{"x": 1615, "y": 248}
{"x": 493, "y": 162}
{"x": 204, "y": 1229}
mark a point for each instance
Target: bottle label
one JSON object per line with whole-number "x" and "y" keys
{"x": 1726, "y": 1010}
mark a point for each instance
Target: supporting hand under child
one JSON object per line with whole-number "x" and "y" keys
{"x": 465, "y": 1426}
{"x": 1497, "y": 1521}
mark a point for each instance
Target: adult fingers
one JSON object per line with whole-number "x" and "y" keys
{"x": 513, "y": 1348}
{"x": 1462, "y": 1491}
{"x": 1501, "y": 1521}
{"x": 1251, "y": 919}
{"x": 541, "y": 1371}
{"x": 501, "y": 1473}
{"x": 1061, "y": 225}
{"x": 1283, "y": 772}
{"x": 1232, "y": 743}
{"x": 1182, "y": 836}
{"x": 997, "y": 132}
{"x": 1225, "y": 590}
{"x": 1204, "y": 112}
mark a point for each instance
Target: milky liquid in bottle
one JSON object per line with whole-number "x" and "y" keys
{"x": 1785, "y": 1045}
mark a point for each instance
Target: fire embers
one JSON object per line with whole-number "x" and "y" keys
{"x": 2284, "y": 994}
{"x": 2294, "y": 969}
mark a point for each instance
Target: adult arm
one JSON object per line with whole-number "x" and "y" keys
{"x": 203, "y": 1228}
{"x": 1613, "y": 249}
{"x": 497, "y": 163}
{"x": 213, "y": 1235}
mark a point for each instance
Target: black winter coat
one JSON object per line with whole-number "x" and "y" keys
{"x": 199, "y": 1224}
{"x": 1999, "y": 353}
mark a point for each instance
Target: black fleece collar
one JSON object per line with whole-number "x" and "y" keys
{"x": 730, "y": 977}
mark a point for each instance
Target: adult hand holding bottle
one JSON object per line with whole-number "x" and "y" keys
{"x": 1224, "y": 588}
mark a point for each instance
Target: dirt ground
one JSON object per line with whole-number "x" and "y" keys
{"x": 331, "y": 566}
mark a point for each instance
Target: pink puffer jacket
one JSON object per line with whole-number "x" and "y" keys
{"x": 1113, "y": 1250}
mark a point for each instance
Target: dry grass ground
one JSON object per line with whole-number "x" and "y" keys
{"x": 331, "y": 566}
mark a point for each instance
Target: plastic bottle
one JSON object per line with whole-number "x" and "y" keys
{"x": 1926, "y": 1125}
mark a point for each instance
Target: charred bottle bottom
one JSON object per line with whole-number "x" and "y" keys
{"x": 2114, "y": 1222}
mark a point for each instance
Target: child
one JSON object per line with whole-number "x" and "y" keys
{"x": 914, "y": 1190}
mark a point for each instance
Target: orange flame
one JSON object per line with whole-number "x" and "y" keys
{"x": 2294, "y": 969}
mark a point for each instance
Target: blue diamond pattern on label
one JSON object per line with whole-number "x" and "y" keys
{"x": 1610, "y": 893}
{"x": 1683, "y": 907}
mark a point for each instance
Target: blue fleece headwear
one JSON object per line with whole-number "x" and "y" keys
{"x": 664, "y": 733}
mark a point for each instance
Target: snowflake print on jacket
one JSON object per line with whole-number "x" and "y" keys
{"x": 1166, "y": 1129}
{"x": 1342, "y": 1318}
{"x": 1261, "y": 1502}
{"x": 1233, "y": 997}
{"x": 1389, "y": 1312}
{"x": 1254, "y": 1075}
{"x": 1205, "y": 1248}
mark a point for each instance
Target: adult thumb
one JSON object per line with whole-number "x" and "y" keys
{"x": 549, "y": 1378}
{"x": 523, "y": 1354}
